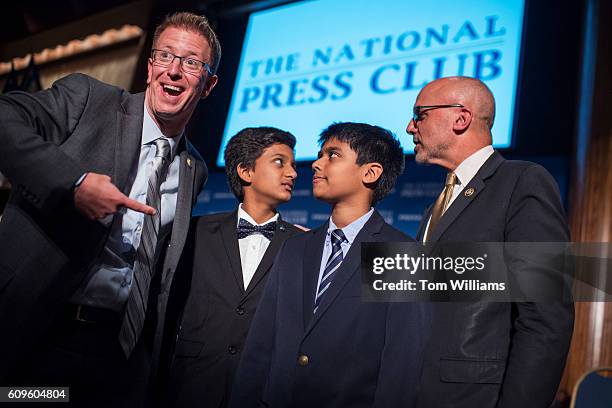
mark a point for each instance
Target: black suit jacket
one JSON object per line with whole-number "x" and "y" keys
{"x": 49, "y": 139}
{"x": 508, "y": 355}
{"x": 218, "y": 312}
{"x": 349, "y": 354}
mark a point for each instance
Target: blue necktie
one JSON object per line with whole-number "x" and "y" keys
{"x": 333, "y": 263}
{"x": 245, "y": 229}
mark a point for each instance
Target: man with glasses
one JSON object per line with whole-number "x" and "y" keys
{"x": 487, "y": 355}
{"x": 104, "y": 184}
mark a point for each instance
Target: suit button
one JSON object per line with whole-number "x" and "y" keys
{"x": 232, "y": 350}
{"x": 303, "y": 360}
{"x": 239, "y": 310}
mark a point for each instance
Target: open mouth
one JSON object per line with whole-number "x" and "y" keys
{"x": 288, "y": 186}
{"x": 172, "y": 90}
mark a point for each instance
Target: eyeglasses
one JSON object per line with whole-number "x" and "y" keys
{"x": 191, "y": 65}
{"x": 417, "y": 111}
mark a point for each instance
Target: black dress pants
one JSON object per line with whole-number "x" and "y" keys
{"x": 87, "y": 357}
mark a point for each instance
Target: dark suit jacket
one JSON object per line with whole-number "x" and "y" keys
{"x": 359, "y": 354}
{"x": 49, "y": 139}
{"x": 499, "y": 354}
{"x": 218, "y": 313}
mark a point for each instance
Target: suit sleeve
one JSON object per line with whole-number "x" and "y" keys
{"x": 408, "y": 328}
{"x": 33, "y": 127}
{"x": 254, "y": 368}
{"x": 543, "y": 330}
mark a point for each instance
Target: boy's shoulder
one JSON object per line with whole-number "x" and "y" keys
{"x": 292, "y": 229}
{"x": 299, "y": 237}
{"x": 394, "y": 234}
{"x": 211, "y": 220}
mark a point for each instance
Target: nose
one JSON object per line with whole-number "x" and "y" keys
{"x": 291, "y": 173}
{"x": 174, "y": 69}
{"x": 411, "y": 128}
{"x": 316, "y": 165}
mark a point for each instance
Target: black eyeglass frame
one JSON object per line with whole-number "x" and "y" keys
{"x": 417, "y": 110}
{"x": 181, "y": 59}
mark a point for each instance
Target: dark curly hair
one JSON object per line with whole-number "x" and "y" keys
{"x": 245, "y": 147}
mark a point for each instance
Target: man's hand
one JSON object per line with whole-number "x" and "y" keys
{"x": 96, "y": 197}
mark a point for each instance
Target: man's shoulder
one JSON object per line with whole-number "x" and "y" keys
{"x": 521, "y": 166}
{"x": 82, "y": 80}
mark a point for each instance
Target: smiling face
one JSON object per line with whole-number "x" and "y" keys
{"x": 272, "y": 178}
{"x": 173, "y": 94}
{"x": 337, "y": 176}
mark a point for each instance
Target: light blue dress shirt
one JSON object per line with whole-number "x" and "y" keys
{"x": 350, "y": 232}
{"x": 108, "y": 282}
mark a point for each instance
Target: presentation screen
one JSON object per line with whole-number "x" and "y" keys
{"x": 308, "y": 64}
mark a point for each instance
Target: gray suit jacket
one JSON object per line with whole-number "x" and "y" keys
{"x": 48, "y": 140}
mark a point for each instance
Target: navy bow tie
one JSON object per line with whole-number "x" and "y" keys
{"x": 245, "y": 229}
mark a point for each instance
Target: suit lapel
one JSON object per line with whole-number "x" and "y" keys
{"x": 347, "y": 269}
{"x": 128, "y": 139}
{"x": 229, "y": 237}
{"x": 313, "y": 250}
{"x": 280, "y": 235}
{"x": 462, "y": 201}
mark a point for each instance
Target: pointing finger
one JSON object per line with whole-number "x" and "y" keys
{"x": 138, "y": 206}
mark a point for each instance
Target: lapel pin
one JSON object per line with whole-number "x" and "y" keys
{"x": 282, "y": 227}
{"x": 189, "y": 162}
{"x": 469, "y": 192}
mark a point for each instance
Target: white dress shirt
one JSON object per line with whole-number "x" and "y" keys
{"x": 465, "y": 172}
{"x": 252, "y": 248}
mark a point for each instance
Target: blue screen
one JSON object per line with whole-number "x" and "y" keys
{"x": 308, "y": 64}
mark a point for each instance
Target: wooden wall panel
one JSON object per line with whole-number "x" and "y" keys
{"x": 591, "y": 201}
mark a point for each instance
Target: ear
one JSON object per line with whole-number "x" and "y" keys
{"x": 463, "y": 120}
{"x": 149, "y": 71}
{"x": 244, "y": 173}
{"x": 210, "y": 84}
{"x": 372, "y": 172}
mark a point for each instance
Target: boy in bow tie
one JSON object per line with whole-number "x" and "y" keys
{"x": 232, "y": 254}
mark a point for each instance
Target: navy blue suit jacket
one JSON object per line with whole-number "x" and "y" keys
{"x": 359, "y": 354}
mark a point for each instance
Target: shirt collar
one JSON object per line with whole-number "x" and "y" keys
{"x": 351, "y": 230}
{"x": 151, "y": 132}
{"x": 245, "y": 216}
{"x": 469, "y": 167}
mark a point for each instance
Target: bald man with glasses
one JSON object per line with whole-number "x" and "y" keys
{"x": 483, "y": 354}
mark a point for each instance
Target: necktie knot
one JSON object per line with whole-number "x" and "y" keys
{"x": 162, "y": 149}
{"x": 441, "y": 203}
{"x": 245, "y": 229}
{"x": 338, "y": 237}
